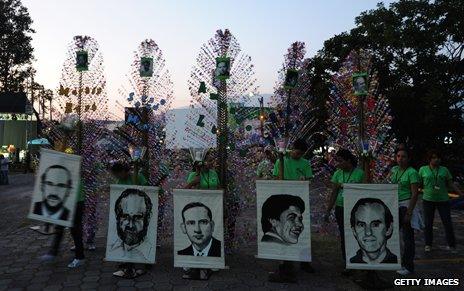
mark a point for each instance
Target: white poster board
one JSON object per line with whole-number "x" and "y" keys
{"x": 372, "y": 240}
{"x": 198, "y": 229}
{"x": 132, "y": 225}
{"x": 56, "y": 186}
{"x": 283, "y": 220}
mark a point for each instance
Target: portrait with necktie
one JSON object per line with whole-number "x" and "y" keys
{"x": 198, "y": 225}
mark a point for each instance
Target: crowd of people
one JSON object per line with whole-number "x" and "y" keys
{"x": 431, "y": 184}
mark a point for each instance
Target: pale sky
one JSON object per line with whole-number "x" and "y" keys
{"x": 265, "y": 29}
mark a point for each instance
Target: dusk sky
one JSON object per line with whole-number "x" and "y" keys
{"x": 265, "y": 29}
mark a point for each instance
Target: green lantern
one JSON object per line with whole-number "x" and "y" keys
{"x": 82, "y": 61}
{"x": 202, "y": 88}
{"x": 360, "y": 83}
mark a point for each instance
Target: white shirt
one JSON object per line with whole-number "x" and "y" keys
{"x": 204, "y": 252}
{"x": 55, "y": 215}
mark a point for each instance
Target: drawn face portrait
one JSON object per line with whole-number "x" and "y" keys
{"x": 132, "y": 216}
{"x": 55, "y": 187}
{"x": 360, "y": 84}
{"x": 370, "y": 228}
{"x": 146, "y": 66}
{"x": 198, "y": 226}
{"x": 81, "y": 60}
{"x": 290, "y": 225}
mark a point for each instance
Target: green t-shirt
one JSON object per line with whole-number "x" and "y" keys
{"x": 141, "y": 181}
{"x": 208, "y": 180}
{"x": 294, "y": 169}
{"x": 341, "y": 177}
{"x": 435, "y": 183}
{"x": 404, "y": 179}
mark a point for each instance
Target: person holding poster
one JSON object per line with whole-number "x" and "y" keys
{"x": 295, "y": 168}
{"x": 346, "y": 173}
{"x": 203, "y": 176}
{"x": 55, "y": 176}
{"x": 436, "y": 181}
{"x": 123, "y": 175}
{"x": 407, "y": 179}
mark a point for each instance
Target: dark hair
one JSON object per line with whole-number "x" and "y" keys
{"x": 44, "y": 175}
{"x": 364, "y": 201}
{"x": 402, "y": 149}
{"x": 120, "y": 167}
{"x": 431, "y": 153}
{"x": 300, "y": 144}
{"x": 118, "y": 209}
{"x": 196, "y": 204}
{"x": 275, "y": 205}
{"x": 347, "y": 156}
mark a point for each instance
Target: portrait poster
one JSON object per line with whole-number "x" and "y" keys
{"x": 360, "y": 84}
{"x": 222, "y": 71}
{"x": 146, "y": 67}
{"x": 56, "y": 188}
{"x": 198, "y": 229}
{"x": 291, "y": 79}
{"x": 372, "y": 240}
{"x": 132, "y": 224}
{"x": 82, "y": 61}
{"x": 283, "y": 220}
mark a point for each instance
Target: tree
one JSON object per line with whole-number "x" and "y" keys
{"x": 417, "y": 50}
{"x": 16, "y": 52}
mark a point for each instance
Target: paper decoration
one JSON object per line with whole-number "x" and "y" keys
{"x": 360, "y": 84}
{"x": 82, "y": 61}
{"x": 146, "y": 67}
{"x": 222, "y": 71}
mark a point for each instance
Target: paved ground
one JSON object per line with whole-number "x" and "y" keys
{"x": 20, "y": 269}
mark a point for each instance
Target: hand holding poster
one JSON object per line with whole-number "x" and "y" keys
{"x": 56, "y": 188}
{"x": 284, "y": 227}
{"x": 198, "y": 229}
{"x": 132, "y": 226}
{"x": 371, "y": 226}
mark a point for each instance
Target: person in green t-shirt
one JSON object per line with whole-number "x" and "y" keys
{"x": 346, "y": 173}
{"x": 295, "y": 168}
{"x": 408, "y": 180}
{"x": 203, "y": 175}
{"x": 123, "y": 174}
{"x": 436, "y": 180}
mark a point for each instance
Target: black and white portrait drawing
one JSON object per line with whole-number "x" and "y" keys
{"x": 371, "y": 226}
{"x": 283, "y": 220}
{"x": 56, "y": 187}
{"x": 132, "y": 224}
{"x": 291, "y": 79}
{"x": 198, "y": 228}
{"x": 146, "y": 67}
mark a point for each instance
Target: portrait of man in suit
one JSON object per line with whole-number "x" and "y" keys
{"x": 372, "y": 225}
{"x": 198, "y": 225}
{"x": 282, "y": 219}
{"x": 55, "y": 187}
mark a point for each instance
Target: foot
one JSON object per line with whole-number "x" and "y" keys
{"x": 307, "y": 267}
{"x": 47, "y": 258}
{"x": 76, "y": 263}
{"x": 428, "y": 249}
{"x": 404, "y": 272}
{"x": 279, "y": 277}
{"x": 125, "y": 273}
{"x": 191, "y": 273}
{"x": 91, "y": 247}
{"x": 73, "y": 248}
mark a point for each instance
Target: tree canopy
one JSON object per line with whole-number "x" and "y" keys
{"x": 16, "y": 51}
{"x": 417, "y": 49}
